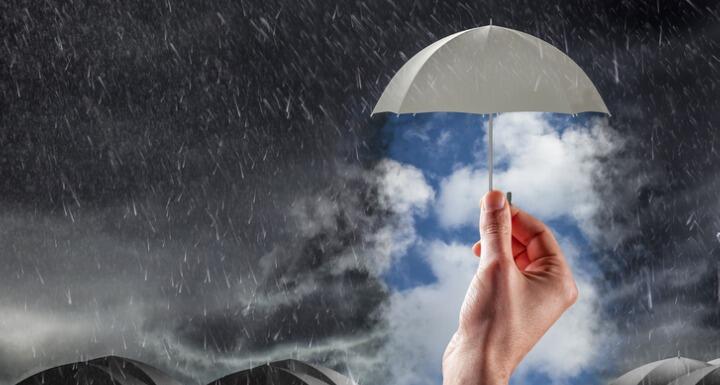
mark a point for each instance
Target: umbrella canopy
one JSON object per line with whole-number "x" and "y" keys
{"x": 285, "y": 372}
{"x": 704, "y": 376}
{"x": 660, "y": 372}
{"x": 490, "y": 70}
{"x": 110, "y": 370}
{"x": 114, "y": 370}
{"x": 487, "y": 70}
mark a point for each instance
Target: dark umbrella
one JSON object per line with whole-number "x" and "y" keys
{"x": 110, "y": 370}
{"x": 286, "y": 372}
{"x": 662, "y": 372}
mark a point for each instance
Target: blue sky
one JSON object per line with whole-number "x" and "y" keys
{"x": 438, "y": 144}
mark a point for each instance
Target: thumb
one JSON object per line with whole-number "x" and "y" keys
{"x": 495, "y": 226}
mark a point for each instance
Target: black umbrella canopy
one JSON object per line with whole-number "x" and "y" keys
{"x": 110, "y": 370}
{"x": 285, "y": 372}
{"x": 113, "y": 370}
{"x": 673, "y": 371}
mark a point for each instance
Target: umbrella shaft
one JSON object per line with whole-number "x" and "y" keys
{"x": 490, "y": 153}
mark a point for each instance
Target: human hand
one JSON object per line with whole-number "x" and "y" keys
{"x": 522, "y": 286}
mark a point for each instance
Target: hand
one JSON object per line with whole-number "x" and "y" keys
{"x": 522, "y": 286}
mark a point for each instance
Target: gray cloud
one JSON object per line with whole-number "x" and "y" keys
{"x": 168, "y": 199}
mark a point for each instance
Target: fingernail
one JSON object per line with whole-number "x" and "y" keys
{"x": 494, "y": 200}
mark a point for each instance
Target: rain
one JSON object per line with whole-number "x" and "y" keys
{"x": 200, "y": 186}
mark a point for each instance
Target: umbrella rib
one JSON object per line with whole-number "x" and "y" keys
{"x": 564, "y": 89}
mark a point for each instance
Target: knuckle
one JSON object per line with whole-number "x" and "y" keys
{"x": 495, "y": 227}
{"x": 488, "y": 266}
{"x": 493, "y": 272}
{"x": 569, "y": 291}
{"x": 505, "y": 265}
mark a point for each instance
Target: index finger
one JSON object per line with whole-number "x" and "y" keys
{"x": 525, "y": 226}
{"x": 534, "y": 234}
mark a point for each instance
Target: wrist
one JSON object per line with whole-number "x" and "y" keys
{"x": 471, "y": 360}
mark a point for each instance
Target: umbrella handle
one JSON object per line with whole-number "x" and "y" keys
{"x": 490, "y": 153}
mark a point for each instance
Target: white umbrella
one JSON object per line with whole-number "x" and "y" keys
{"x": 489, "y": 70}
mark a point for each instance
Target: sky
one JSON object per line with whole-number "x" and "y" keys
{"x": 201, "y": 187}
{"x": 538, "y": 155}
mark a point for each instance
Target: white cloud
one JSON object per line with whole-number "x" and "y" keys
{"x": 403, "y": 187}
{"x": 551, "y": 174}
{"x": 423, "y": 319}
{"x": 458, "y": 201}
{"x": 404, "y": 192}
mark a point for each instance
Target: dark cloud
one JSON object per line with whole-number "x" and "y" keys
{"x": 156, "y": 164}
{"x": 660, "y": 275}
{"x": 168, "y": 170}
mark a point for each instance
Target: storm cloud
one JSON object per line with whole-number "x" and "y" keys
{"x": 199, "y": 185}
